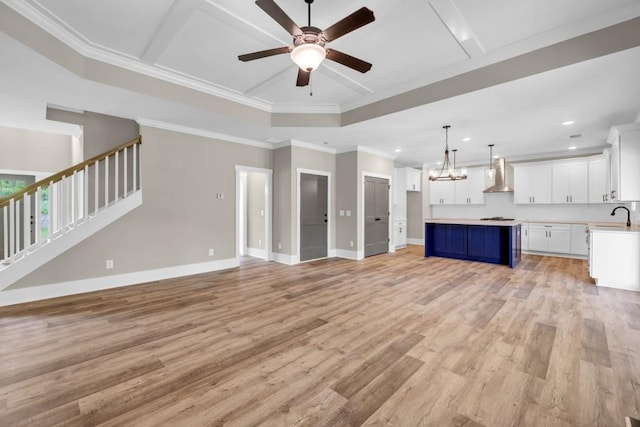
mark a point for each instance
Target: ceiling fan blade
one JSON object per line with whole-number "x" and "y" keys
{"x": 264, "y": 53}
{"x": 348, "y": 60}
{"x": 303, "y": 77}
{"x": 357, "y": 19}
{"x": 278, "y": 15}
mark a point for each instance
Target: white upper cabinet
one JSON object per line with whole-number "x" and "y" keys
{"x": 625, "y": 158}
{"x": 532, "y": 184}
{"x": 442, "y": 192}
{"x": 599, "y": 177}
{"x": 570, "y": 182}
{"x": 470, "y": 191}
{"x": 413, "y": 177}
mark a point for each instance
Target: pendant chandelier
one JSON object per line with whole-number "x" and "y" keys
{"x": 448, "y": 172}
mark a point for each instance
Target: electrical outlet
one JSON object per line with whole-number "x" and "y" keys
{"x": 279, "y": 245}
{"x": 261, "y": 212}
{"x": 211, "y": 252}
{"x": 220, "y": 196}
{"x": 260, "y": 243}
{"x": 109, "y": 264}
{"x": 351, "y": 243}
{"x": 348, "y": 213}
{"x": 341, "y": 213}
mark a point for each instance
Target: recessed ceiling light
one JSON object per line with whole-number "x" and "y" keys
{"x": 397, "y": 150}
{"x": 573, "y": 147}
{"x": 568, "y": 123}
{"x": 438, "y": 163}
{"x": 467, "y": 139}
{"x": 497, "y": 156}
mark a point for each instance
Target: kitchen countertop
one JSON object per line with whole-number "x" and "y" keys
{"x": 614, "y": 227}
{"x": 471, "y": 222}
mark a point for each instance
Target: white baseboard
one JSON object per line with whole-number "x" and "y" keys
{"x": 411, "y": 241}
{"x": 284, "y": 258}
{"x": 618, "y": 285}
{"x": 36, "y": 293}
{"x": 555, "y": 255}
{"x": 257, "y": 253}
{"x": 341, "y": 253}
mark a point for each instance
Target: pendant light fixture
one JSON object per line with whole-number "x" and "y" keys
{"x": 447, "y": 172}
{"x": 490, "y": 174}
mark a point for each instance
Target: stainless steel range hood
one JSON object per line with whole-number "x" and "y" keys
{"x": 500, "y": 184}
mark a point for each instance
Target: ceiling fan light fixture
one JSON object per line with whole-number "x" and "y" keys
{"x": 308, "y": 56}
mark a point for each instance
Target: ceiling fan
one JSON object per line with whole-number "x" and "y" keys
{"x": 308, "y": 49}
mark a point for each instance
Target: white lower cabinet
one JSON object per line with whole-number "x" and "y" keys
{"x": 579, "y": 239}
{"x": 549, "y": 238}
{"x": 524, "y": 237}
{"x": 613, "y": 259}
{"x": 400, "y": 234}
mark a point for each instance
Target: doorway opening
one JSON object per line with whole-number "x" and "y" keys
{"x": 253, "y": 212}
{"x": 314, "y": 214}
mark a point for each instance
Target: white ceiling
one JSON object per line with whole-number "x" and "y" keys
{"x": 411, "y": 44}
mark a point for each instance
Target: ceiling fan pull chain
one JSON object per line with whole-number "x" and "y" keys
{"x": 310, "y": 84}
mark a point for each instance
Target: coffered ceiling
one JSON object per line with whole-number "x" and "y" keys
{"x": 498, "y": 71}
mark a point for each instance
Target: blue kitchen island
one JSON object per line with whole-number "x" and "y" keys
{"x": 495, "y": 242}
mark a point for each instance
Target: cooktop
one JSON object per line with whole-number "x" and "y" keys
{"x": 497, "y": 218}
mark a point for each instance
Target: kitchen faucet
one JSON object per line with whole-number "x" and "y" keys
{"x": 613, "y": 212}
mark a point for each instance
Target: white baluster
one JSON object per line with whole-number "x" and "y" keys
{"x": 26, "y": 222}
{"x": 5, "y": 232}
{"x": 116, "y": 190}
{"x": 52, "y": 215}
{"x": 74, "y": 198}
{"x": 12, "y": 227}
{"x": 62, "y": 209}
{"x": 106, "y": 182}
{"x": 126, "y": 169}
{"x": 17, "y": 227}
{"x": 85, "y": 205}
{"x": 37, "y": 215}
{"x": 135, "y": 167}
{"x": 96, "y": 182}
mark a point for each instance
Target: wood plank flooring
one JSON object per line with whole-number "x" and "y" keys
{"x": 393, "y": 340}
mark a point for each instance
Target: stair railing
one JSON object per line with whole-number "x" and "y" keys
{"x": 51, "y": 207}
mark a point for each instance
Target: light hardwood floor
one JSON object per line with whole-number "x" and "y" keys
{"x": 394, "y": 340}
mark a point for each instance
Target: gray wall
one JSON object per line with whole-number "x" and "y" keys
{"x": 305, "y": 158}
{"x": 180, "y": 218}
{"x": 347, "y": 199}
{"x": 415, "y": 218}
{"x": 26, "y": 150}
{"x": 255, "y": 210}
{"x": 101, "y": 133}
{"x": 282, "y": 201}
{"x": 286, "y": 162}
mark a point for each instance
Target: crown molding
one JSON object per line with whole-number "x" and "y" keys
{"x": 201, "y": 132}
{"x": 302, "y": 144}
{"x": 362, "y": 149}
{"x": 306, "y": 109}
{"x": 103, "y": 54}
